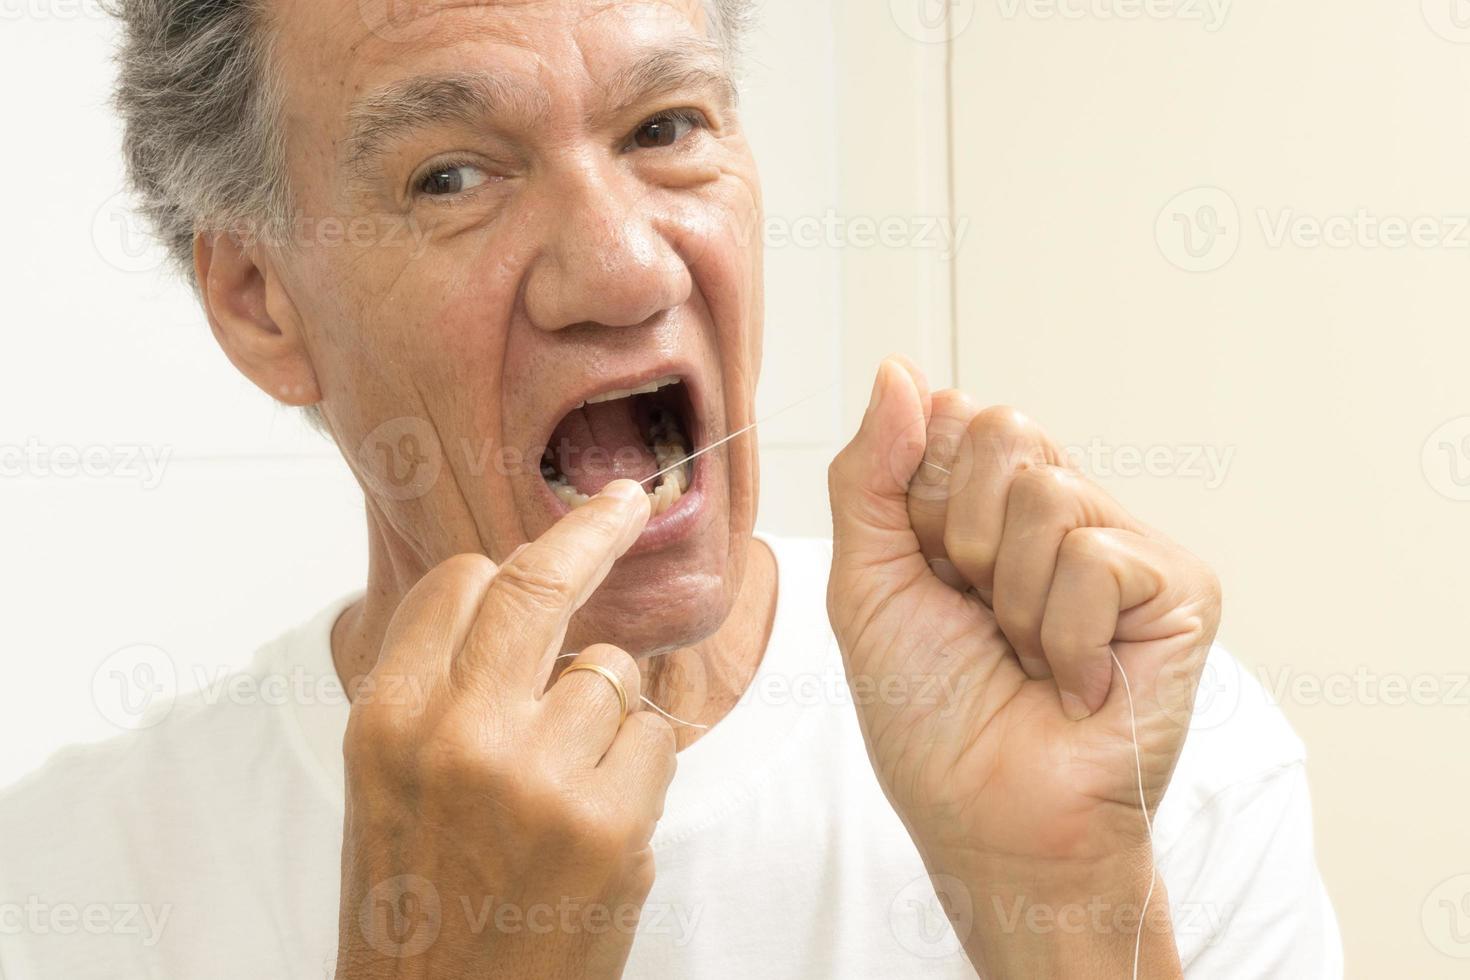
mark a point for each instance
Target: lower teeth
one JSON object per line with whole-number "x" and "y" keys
{"x": 668, "y": 451}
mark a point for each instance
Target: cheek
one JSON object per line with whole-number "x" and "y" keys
{"x": 720, "y": 240}
{"x": 410, "y": 355}
{"x": 435, "y": 320}
{"x": 757, "y": 317}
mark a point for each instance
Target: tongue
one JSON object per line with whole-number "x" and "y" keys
{"x": 598, "y": 444}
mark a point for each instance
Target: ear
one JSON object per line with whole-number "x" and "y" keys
{"x": 253, "y": 319}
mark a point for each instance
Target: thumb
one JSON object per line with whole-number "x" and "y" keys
{"x": 869, "y": 480}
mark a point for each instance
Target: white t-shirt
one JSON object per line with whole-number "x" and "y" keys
{"x": 208, "y": 845}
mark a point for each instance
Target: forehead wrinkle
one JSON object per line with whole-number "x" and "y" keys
{"x": 697, "y": 64}
{"x": 378, "y": 118}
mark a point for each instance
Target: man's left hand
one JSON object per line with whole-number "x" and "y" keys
{"x": 980, "y": 586}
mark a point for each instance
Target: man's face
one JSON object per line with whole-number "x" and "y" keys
{"x": 560, "y": 202}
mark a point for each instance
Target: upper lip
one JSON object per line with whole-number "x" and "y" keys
{"x": 621, "y": 384}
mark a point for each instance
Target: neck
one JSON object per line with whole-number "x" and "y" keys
{"x": 698, "y": 685}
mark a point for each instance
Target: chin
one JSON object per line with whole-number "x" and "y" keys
{"x": 657, "y": 604}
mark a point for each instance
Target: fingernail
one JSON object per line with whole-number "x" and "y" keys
{"x": 624, "y": 490}
{"x": 634, "y": 502}
{"x": 1074, "y": 707}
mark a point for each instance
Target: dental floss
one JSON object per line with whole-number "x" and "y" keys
{"x": 689, "y": 458}
{"x": 735, "y": 435}
{"x": 1153, "y": 871}
{"x": 1127, "y": 690}
{"x": 1142, "y": 796}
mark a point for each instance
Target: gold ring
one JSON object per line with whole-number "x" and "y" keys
{"x": 611, "y": 679}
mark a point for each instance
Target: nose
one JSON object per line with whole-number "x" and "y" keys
{"x": 606, "y": 260}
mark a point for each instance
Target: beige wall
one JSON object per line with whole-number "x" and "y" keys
{"x": 1317, "y": 374}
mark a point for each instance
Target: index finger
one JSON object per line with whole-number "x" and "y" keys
{"x": 527, "y": 608}
{"x": 999, "y": 443}
{"x": 931, "y": 489}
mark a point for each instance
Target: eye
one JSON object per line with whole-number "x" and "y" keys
{"x": 447, "y": 179}
{"x": 666, "y": 128}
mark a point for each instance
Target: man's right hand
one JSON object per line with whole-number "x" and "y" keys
{"x": 493, "y": 829}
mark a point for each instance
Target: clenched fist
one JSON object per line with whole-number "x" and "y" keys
{"x": 968, "y": 551}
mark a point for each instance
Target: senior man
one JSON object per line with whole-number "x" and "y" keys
{"x": 582, "y": 304}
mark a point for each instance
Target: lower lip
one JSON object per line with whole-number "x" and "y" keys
{"x": 671, "y": 526}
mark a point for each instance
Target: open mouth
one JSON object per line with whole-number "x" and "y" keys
{"x": 645, "y": 434}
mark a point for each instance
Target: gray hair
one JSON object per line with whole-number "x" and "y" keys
{"x": 200, "y": 105}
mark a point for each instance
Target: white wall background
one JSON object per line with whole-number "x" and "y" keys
{"x": 1328, "y": 381}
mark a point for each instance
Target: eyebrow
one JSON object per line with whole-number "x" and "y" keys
{"x": 381, "y": 117}
{"x": 376, "y": 120}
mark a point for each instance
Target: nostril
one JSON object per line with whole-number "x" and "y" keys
{"x": 623, "y": 282}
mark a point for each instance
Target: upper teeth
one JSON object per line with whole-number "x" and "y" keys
{"x": 648, "y": 389}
